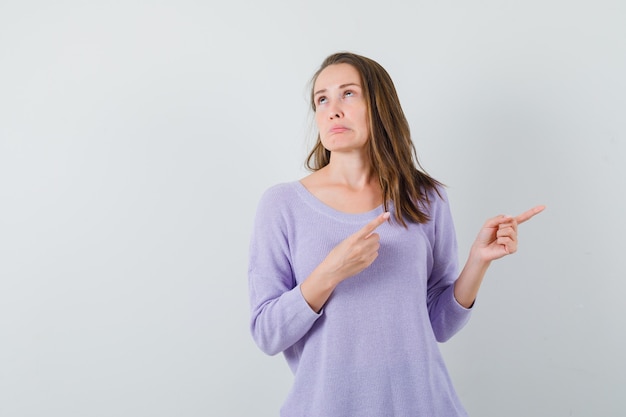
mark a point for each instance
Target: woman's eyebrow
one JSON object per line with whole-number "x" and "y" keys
{"x": 340, "y": 87}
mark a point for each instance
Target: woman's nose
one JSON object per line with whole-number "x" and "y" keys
{"x": 335, "y": 112}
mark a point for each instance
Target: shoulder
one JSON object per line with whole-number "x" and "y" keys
{"x": 279, "y": 193}
{"x": 277, "y": 199}
{"x": 438, "y": 193}
{"x": 438, "y": 210}
{"x": 437, "y": 198}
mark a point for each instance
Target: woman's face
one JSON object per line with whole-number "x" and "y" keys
{"x": 341, "y": 109}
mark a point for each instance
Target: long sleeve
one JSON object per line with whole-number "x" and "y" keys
{"x": 280, "y": 315}
{"x": 447, "y": 316}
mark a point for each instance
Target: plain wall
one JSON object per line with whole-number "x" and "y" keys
{"x": 137, "y": 137}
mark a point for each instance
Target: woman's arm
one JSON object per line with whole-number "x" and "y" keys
{"x": 282, "y": 311}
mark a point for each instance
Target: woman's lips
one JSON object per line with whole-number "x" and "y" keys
{"x": 338, "y": 129}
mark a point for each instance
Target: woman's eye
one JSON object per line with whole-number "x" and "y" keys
{"x": 348, "y": 93}
{"x": 321, "y": 100}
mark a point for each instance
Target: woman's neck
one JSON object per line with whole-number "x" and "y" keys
{"x": 350, "y": 171}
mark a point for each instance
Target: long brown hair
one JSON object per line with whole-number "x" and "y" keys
{"x": 392, "y": 153}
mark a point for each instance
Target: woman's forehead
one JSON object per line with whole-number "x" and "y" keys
{"x": 336, "y": 75}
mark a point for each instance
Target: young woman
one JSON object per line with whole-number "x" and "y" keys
{"x": 353, "y": 269}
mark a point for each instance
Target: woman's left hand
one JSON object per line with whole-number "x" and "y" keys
{"x": 498, "y": 236}
{"x": 496, "y": 239}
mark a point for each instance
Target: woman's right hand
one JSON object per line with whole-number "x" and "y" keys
{"x": 354, "y": 253}
{"x": 348, "y": 258}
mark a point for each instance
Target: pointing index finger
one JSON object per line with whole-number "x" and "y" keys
{"x": 371, "y": 226}
{"x": 527, "y": 215}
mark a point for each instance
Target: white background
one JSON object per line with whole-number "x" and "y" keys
{"x": 136, "y": 138}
